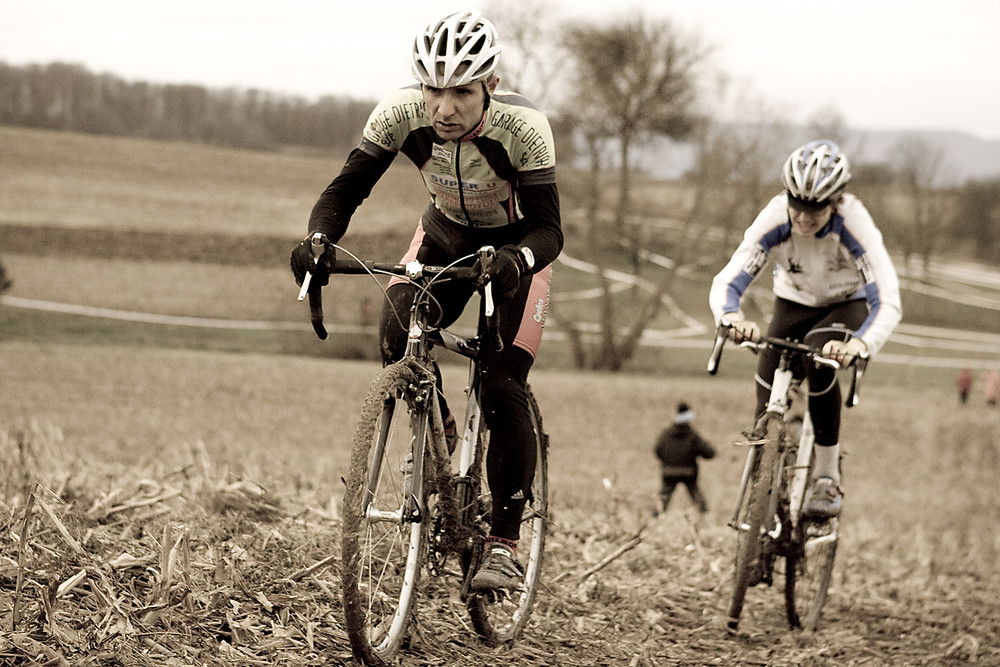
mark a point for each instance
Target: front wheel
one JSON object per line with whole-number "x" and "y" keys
{"x": 384, "y": 535}
{"x": 502, "y": 617}
{"x": 809, "y": 571}
{"x": 751, "y": 523}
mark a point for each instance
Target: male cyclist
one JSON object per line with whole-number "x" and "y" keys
{"x": 488, "y": 162}
{"x": 834, "y": 284}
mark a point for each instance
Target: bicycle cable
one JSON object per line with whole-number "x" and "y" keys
{"x": 424, "y": 289}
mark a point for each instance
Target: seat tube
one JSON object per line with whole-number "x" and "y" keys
{"x": 802, "y": 460}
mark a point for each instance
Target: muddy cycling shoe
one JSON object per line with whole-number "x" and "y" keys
{"x": 825, "y": 500}
{"x": 757, "y": 573}
{"x": 450, "y": 433}
{"x": 500, "y": 570}
{"x": 761, "y": 572}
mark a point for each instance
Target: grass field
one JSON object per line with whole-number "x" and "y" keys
{"x": 190, "y": 473}
{"x": 241, "y": 455}
{"x": 185, "y": 229}
{"x": 84, "y": 181}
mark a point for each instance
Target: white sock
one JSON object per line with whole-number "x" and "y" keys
{"x": 827, "y": 462}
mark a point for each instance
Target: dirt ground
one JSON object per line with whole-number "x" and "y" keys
{"x": 191, "y": 571}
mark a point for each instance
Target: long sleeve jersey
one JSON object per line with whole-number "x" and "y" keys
{"x": 497, "y": 185}
{"x": 845, "y": 260}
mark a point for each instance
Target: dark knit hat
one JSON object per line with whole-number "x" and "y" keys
{"x": 684, "y": 414}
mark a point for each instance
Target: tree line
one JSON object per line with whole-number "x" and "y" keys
{"x": 61, "y": 96}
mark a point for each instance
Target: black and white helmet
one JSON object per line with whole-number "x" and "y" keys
{"x": 816, "y": 173}
{"x": 456, "y": 49}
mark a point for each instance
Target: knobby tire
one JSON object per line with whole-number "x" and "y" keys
{"x": 381, "y": 560}
{"x": 752, "y": 519}
{"x": 502, "y": 619}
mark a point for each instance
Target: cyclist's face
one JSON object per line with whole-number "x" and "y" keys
{"x": 807, "y": 221}
{"x": 456, "y": 111}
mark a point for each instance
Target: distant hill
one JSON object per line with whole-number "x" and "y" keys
{"x": 964, "y": 156}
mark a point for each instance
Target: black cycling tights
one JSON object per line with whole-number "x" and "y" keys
{"x": 510, "y": 460}
{"x": 814, "y": 326}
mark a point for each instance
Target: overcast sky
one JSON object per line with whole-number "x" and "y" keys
{"x": 882, "y": 64}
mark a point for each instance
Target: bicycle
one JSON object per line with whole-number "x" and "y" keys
{"x": 406, "y": 509}
{"x": 768, "y": 517}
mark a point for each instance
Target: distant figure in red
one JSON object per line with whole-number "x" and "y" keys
{"x": 678, "y": 448}
{"x": 964, "y": 382}
{"x": 991, "y": 380}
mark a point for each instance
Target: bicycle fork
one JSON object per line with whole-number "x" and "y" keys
{"x": 412, "y": 465}
{"x": 777, "y": 404}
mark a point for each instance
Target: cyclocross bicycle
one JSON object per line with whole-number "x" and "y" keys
{"x": 772, "y": 533}
{"x": 413, "y": 524}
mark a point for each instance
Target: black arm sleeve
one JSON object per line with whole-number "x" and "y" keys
{"x": 540, "y": 206}
{"x": 705, "y": 449}
{"x": 333, "y": 210}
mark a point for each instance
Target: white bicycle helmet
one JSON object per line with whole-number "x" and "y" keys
{"x": 455, "y": 50}
{"x": 816, "y": 172}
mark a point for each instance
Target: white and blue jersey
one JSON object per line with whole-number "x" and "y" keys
{"x": 844, "y": 261}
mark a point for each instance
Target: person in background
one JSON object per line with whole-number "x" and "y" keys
{"x": 678, "y": 448}
{"x": 835, "y": 288}
{"x": 964, "y": 383}
{"x": 991, "y": 386}
{"x": 487, "y": 159}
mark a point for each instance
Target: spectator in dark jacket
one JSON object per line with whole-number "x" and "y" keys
{"x": 678, "y": 448}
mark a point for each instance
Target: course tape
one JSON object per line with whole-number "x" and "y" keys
{"x": 916, "y": 336}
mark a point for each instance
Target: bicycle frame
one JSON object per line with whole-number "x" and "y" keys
{"x": 778, "y": 403}
{"x": 768, "y": 515}
{"x": 421, "y": 339}
{"x": 390, "y": 527}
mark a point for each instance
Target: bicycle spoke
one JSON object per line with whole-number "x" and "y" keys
{"x": 382, "y": 547}
{"x": 501, "y": 618}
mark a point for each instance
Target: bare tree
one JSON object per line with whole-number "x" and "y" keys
{"x": 828, "y": 123}
{"x": 977, "y": 218}
{"x": 528, "y": 35}
{"x": 630, "y": 81}
{"x": 919, "y": 171}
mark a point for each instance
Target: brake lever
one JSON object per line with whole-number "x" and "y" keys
{"x": 854, "y": 393}
{"x": 487, "y": 254}
{"x": 315, "y": 292}
{"x": 721, "y": 334}
{"x": 316, "y": 245}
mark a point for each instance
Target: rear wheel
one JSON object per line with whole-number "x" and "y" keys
{"x": 384, "y": 535}
{"x": 752, "y": 519}
{"x": 501, "y": 617}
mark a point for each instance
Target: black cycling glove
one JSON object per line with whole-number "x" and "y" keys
{"x": 504, "y": 272}
{"x": 302, "y": 260}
